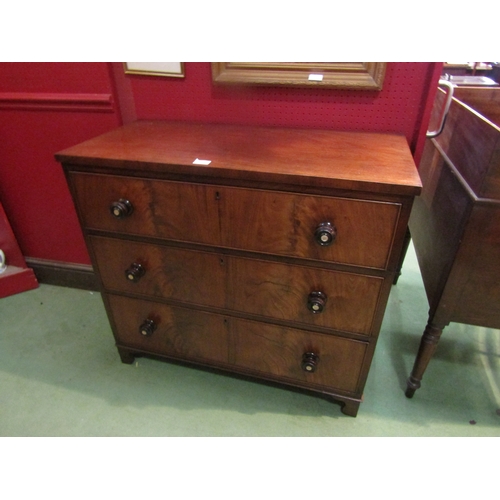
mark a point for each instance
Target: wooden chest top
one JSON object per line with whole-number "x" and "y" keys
{"x": 369, "y": 162}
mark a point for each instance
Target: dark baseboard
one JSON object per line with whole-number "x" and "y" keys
{"x": 63, "y": 274}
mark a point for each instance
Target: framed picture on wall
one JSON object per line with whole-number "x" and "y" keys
{"x": 173, "y": 69}
{"x": 347, "y": 75}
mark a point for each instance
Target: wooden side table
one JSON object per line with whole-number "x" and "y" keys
{"x": 455, "y": 223}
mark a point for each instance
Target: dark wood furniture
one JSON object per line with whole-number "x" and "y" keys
{"x": 264, "y": 252}
{"x": 455, "y": 223}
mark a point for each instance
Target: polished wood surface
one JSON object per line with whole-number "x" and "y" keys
{"x": 263, "y": 221}
{"x": 284, "y": 224}
{"x": 455, "y": 226}
{"x": 180, "y": 332}
{"x": 257, "y": 287}
{"x": 275, "y": 261}
{"x": 159, "y": 207}
{"x": 278, "y": 351}
{"x": 470, "y": 141}
{"x": 281, "y": 291}
{"x": 177, "y": 273}
{"x": 484, "y": 101}
{"x": 323, "y": 158}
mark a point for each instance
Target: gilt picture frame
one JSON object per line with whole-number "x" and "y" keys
{"x": 345, "y": 75}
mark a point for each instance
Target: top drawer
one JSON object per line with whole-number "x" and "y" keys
{"x": 271, "y": 222}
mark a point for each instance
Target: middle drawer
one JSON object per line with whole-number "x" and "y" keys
{"x": 308, "y": 295}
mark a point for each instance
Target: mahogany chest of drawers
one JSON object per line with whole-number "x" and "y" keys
{"x": 263, "y": 252}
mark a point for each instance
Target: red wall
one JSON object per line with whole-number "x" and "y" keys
{"x": 46, "y": 107}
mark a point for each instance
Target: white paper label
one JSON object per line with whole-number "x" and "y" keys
{"x": 315, "y": 78}
{"x": 201, "y": 162}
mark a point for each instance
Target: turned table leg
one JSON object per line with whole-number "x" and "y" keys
{"x": 428, "y": 345}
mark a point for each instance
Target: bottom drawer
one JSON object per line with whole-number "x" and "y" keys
{"x": 174, "y": 331}
{"x": 291, "y": 355}
{"x": 312, "y": 359}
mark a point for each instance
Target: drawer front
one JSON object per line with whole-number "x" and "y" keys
{"x": 285, "y": 224}
{"x": 179, "y": 332}
{"x": 312, "y": 296}
{"x": 279, "y": 352}
{"x": 170, "y": 210}
{"x": 165, "y": 272}
{"x": 271, "y": 222}
{"x": 248, "y": 346}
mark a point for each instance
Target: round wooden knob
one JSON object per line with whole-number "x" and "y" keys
{"x": 310, "y": 362}
{"x": 316, "y": 302}
{"x": 121, "y": 208}
{"x": 147, "y": 328}
{"x": 135, "y": 272}
{"x": 325, "y": 234}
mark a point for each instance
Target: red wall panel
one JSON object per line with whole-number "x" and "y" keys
{"x": 46, "y": 107}
{"x": 33, "y": 189}
{"x": 55, "y": 77}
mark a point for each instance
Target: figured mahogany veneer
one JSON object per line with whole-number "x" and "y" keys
{"x": 272, "y": 261}
{"x": 217, "y": 215}
{"x": 271, "y": 289}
